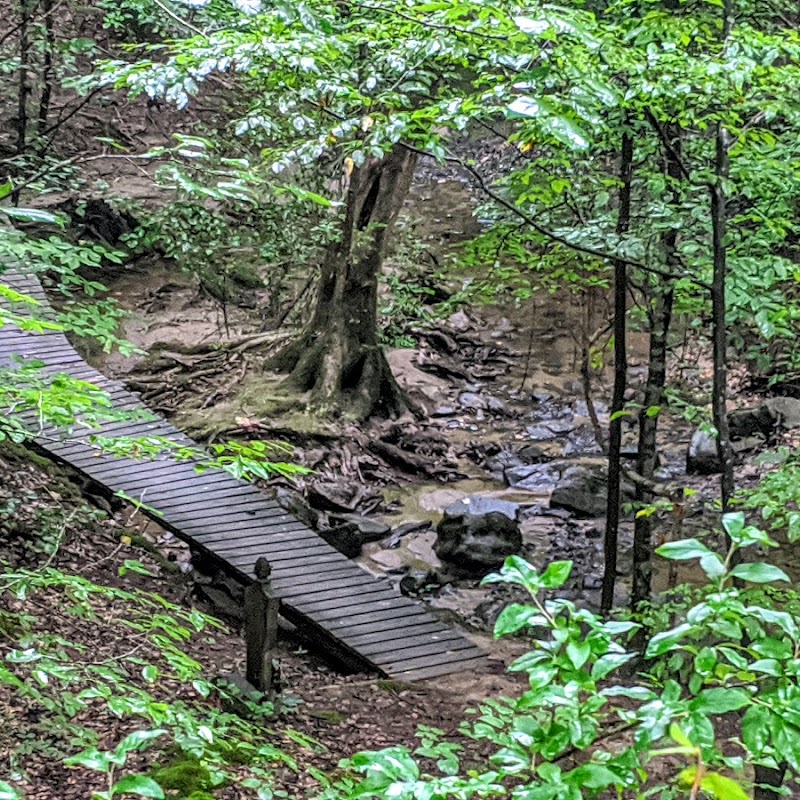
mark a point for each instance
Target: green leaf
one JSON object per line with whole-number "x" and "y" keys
{"x": 556, "y": 574}
{"x": 578, "y": 653}
{"x": 140, "y": 785}
{"x": 606, "y": 664}
{"x": 666, "y": 640}
{"x": 722, "y": 788}
{"x": 30, "y": 215}
{"x": 733, "y": 523}
{"x": 515, "y": 616}
{"x": 91, "y": 759}
{"x": 5, "y": 190}
{"x": 720, "y": 701}
{"x": 677, "y": 735}
{"x": 712, "y": 566}
{"x": 8, "y": 792}
{"x": 653, "y": 411}
{"x": 618, "y": 415}
{"x": 593, "y": 776}
{"x": 684, "y": 549}
{"x": 138, "y": 740}
{"x": 759, "y": 573}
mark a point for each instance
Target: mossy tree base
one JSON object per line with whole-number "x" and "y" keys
{"x": 338, "y": 359}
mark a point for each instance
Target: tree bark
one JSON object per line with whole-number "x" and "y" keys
{"x": 660, "y": 319}
{"x": 47, "y": 69}
{"x": 613, "y": 502}
{"x": 338, "y": 358}
{"x": 23, "y": 84}
{"x": 719, "y": 219}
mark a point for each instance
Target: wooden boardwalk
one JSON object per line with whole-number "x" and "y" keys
{"x": 358, "y": 619}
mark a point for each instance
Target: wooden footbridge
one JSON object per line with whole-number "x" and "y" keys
{"x": 356, "y": 618}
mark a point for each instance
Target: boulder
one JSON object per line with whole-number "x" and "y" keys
{"x": 350, "y": 532}
{"x": 702, "y": 458}
{"x": 532, "y": 476}
{"x": 478, "y": 534}
{"x": 345, "y": 538}
{"x": 758, "y": 421}
{"x": 785, "y": 410}
{"x": 583, "y": 490}
{"x": 371, "y": 530}
{"x": 472, "y": 401}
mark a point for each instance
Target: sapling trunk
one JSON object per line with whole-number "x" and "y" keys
{"x": 719, "y": 220}
{"x": 660, "y": 318}
{"x": 47, "y": 69}
{"x": 620, "y": 380}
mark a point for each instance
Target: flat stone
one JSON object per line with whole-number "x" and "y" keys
{"x": 477, "y": 505}
{"x": 472, "y": 401}
{"x": 371, "y": 530}
{"x": 532, "y": 476}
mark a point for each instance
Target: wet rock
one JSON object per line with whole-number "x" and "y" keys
{"x": 472, "y": 401}
{"x": 419, "y": 582}
{"x": 496, "y": 406}
{"x": 350, "y": 532}
{"x": 502, "y": 461}
{"x": 444, "y": 411}
{"x": 702, "y": 458}
{"x": 581, "y": 490}
{"x": 478, "y": 505}
{"x": 758, "y": 421}
{"x": 532, "y": 476}
{"x": 478, "y": 536}
{"x": 749, "y": 428}
{"x": 592, "y": 582}
{"x": 582, "y": 442}
{"x": 401, "y": 531}
{"x": 331, "y": 497}
{"x": 533, "y": 454}
{"x": 294, "y": 504}
{"x": 371, "y": 530}
{"x": 539, "y": 433}
{"x": 786, "y": 411}
{"x": 459, "y": 321}
{"x": 345, "y": 538}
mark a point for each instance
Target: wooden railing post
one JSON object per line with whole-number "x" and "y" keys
{"x": 261, "y": 609}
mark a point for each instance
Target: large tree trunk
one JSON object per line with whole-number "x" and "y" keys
{"x": 338, "y": 358}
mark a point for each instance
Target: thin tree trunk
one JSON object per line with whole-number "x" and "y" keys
{"x": 338, "y": 358}
{"x": 23, "y": 84}
{"x": 47, "y": 68}
{"x": 613, "y": 503}
{"x": 719, "y": 214}
{"x": 660, "y": 320}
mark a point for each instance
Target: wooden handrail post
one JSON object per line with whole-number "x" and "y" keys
{"x": 261, "y": 608}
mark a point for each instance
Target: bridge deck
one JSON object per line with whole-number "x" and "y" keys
{"x": 358, "y": 618}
